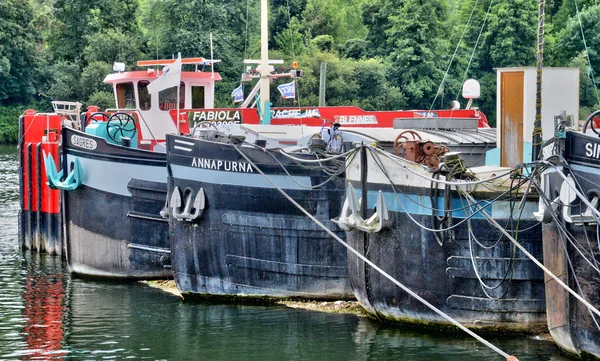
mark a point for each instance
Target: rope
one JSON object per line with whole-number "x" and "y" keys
{"x": 502, "y": 195}
{"x": 465, "y": 183}
{"x": 577, "y": 279}
{"x": 245, "y": 44}
{"x": 538, "y": 263}
{"x": 292, "y": 45}
{"x": 452, "y": 59}
{"x": 475, "y": 47}
{"x": 587, "y": 53}
{"x": 364, "y": 259}
{"x": 336, "y": 173}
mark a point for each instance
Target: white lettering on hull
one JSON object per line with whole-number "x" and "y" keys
{"x": 222, "y": 165}
{"x": 83, "y": 142}
{"x": 219, "y": 116}
{"x": 356, "y": 119}
{"x": 592, "y": 150}
{"x": 296, "y": 113}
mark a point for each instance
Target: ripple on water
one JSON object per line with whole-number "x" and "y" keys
{"x": 45, "y": 314}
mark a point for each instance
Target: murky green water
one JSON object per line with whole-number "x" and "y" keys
{"x": 47, "y": 315}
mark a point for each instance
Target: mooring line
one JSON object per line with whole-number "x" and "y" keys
{"x": 538, "y": 263}
{"x": 574, "y": 189}
{"x": 364, "y": 259}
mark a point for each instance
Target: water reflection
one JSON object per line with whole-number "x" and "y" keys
{"x": 46, "y": 315}
{"x": 44, "y": 296}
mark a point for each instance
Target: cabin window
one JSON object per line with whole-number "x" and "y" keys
{"x": 125, "y": 96}
{"x": 145, "y": 98}
{"x": 198, "y": 97}
{"x": 167, "y": 99}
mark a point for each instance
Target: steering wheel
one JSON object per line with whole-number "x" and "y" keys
{"x": 119, "y": 126}
{"x": 104, "y": 116}
{"x": 589, "y": 121}
{"x": 203, "y": 124}
{"x": 413, "y": 135}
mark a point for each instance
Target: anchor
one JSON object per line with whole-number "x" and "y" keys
{"x": 71, "y": 182}
{"x": 567, "y": 196}
{"x": 544, "y": 214}
{"x": 350, "y": 217}
{"x": 186, "y": 215}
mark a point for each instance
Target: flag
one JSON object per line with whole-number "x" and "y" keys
{"x": 238, "y": 94}
{"x": 288, "y": 91}
{"x": 170, "y": 77}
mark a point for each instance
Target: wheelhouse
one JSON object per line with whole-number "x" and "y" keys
{"x": 153, "y": 111}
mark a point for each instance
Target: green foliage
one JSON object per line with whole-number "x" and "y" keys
{"x": 112, "y": 45}
{"x": 185, "y": 27}
{"x": 377, "y": 17}
{"x": 570, "y": 42}
{"x": 323, "y": 42}
{"x": 339, "y": 19}
{"x": 280, "y": 16}
{"x": 381, "y": 54}
{"x": 92, "y": 78}
{"x": 102, "y": 99}
{"x": 290, "y": 41}
{"x": 20, "y": 59}
{"x": 356, "y": 48}
{"x": 567, "y": 10}
{"x": 77, "y": 21}
{"x": 364, "y": 83}
{"x": 65, "y": 81}
{"x": 419, "y": 47}
{"x": 9, "y": 123}
{"x": 588, "y": 93}
{"x": 511, "y": 36}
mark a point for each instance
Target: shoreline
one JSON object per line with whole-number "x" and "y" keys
{"x": 340, "y": 307}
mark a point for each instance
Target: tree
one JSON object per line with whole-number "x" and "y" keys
{"x": 92, "y": 78}
{"x": 376, "y": 16}
{"x": 102, "y": 99}
{"x": 339, "y": 19}
{"x": 185, "y": 27}
{"x": 112, "y": 45}
{"x": 570, "y": 42}
{"x": 76, "y": 20}
{"x": 568, "y": 10}
{"x": 20, "y": 57}
{"x": 417, "y": 37}
{"x": 290, "y": 41}
{"x": 65, "y": 82}
{"x": 280, "y": 16}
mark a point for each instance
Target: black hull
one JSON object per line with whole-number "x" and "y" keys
{"x": 444, "y": 276}
{"x": 478, "y": 278}
{"x": 250, "y": 241}
{"x": 571, "y": 324}
{"x": 113, "y": 227}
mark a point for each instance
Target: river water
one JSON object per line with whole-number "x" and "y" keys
{"x": 45, "y": 314}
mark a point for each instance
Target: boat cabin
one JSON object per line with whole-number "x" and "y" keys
{"x": 153, "y": 111}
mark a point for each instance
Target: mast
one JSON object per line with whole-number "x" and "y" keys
{"x": 537, "y": 125}
{"x": 265, "y": 97}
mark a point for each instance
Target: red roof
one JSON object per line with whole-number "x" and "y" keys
{"x": 145, "y": 75}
